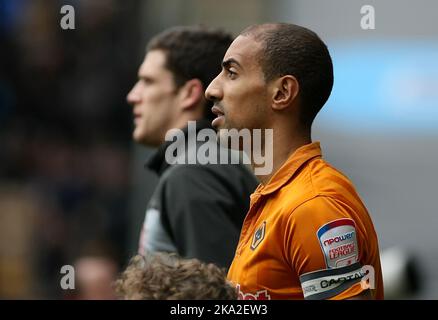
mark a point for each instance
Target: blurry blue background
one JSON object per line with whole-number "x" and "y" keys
{"x": 386, "y": 86}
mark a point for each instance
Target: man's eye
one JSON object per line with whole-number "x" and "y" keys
{"x": 146, "y": 80}
{"x": 231, "y": 74}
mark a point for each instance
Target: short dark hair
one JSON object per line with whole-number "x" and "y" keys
{"x": 288, "y": 49}
{"x": 164, "y": 276}
{"x": 193, "y": 52}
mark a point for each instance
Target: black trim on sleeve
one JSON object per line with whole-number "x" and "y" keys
{"x": 324, "y": 284}
{"x": 329, "y": 272}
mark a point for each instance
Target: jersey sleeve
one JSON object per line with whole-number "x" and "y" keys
{"x": 322, "y": 247}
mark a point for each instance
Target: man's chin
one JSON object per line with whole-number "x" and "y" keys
{"x": 228, "y": 138}
{"x": 143, "y": 139}
{"x": 137, "y": 136}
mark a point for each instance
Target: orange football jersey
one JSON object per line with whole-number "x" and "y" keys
{"x": 307, "y": 235}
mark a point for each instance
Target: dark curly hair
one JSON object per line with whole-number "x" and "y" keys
{"x": 193, "y": 52}
{"x": 162, "y": 276}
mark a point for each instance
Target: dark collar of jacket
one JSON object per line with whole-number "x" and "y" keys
{"x": 157, "y": 161}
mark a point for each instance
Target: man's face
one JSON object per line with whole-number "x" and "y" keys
{"x": 239, "y": 92}
{"x": 154, "y": 99}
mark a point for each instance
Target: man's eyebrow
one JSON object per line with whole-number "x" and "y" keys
{"x": 227, "y": 63}
{"x": 144, "y": 77}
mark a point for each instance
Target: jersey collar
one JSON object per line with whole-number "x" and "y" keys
{"x": 290, "y": 167}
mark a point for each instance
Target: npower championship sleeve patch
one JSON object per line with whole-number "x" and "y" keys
{"x": 338, "y": 243}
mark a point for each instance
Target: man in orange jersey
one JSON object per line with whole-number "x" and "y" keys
{"x": 307, "y": 233}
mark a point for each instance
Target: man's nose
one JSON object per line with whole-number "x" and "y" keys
{"x": 214, "y": 92}
{"x": 133, "y": 95}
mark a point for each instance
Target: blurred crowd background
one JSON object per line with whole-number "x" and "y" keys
{"x": 65, "y": 138}
{"x": 73, "y": 189}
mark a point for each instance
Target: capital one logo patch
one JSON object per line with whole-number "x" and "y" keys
{"x": 338, "y": 243}
{"x": 259, "y": 235}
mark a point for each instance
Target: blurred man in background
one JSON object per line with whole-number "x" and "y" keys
{"x": 95, "y": 276}
{"x": 307, "y": 233}
{"x": 196, "y": 210}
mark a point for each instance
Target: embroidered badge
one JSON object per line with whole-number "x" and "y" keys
{"x": 259, "y": 235}
{"x": 338, "y": 243}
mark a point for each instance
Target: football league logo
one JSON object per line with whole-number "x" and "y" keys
{"x": 339, "y": 243}
{"x": 259, "y": 235}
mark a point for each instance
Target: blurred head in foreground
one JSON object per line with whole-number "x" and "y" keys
{"x": 161, "y": 276}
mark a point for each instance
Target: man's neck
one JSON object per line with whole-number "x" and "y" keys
{"x": 284, "y": 145}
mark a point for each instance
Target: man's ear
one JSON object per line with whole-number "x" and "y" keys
{"x": 191, "y": 93}
{"x": 285, "y": 92}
